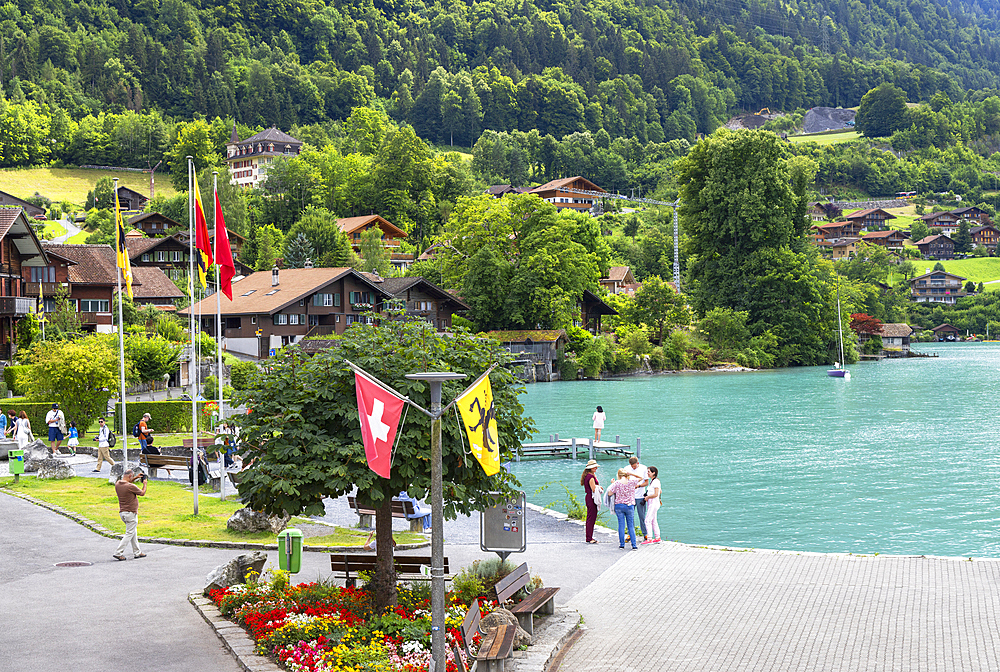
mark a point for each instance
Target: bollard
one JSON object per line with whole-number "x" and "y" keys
{"x": 591, "y": 448}
{"x": 550, "y": 438}
{"x": 618, "y": 438}
{"x": 573, "y": 444}
{"x": 638, "y": 448}
{"x": 557, "y": 436}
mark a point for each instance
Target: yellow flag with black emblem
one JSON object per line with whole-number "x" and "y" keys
{"x": 479, "y": 418}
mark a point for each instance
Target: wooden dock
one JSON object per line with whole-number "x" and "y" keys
{"x": 575, "y": 448}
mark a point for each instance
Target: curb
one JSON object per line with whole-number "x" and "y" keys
{"x": 233, "y": 637}
{"x": 549, "y": 640}
{"x": 200, "y": 543}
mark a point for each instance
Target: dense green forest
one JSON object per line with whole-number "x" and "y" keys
{"x": 654, "y": 71}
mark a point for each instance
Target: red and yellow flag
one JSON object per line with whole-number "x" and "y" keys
{"x": 201, "y": 240}
{"x": 123, "y": 260}
{"x": 223, "y": 254}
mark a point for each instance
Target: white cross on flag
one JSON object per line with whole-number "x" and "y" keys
{"x": 379, "y": 411}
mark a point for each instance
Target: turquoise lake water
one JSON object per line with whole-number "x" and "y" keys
{"x": 902, "y": 459}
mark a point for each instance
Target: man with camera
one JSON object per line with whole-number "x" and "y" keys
{"x": 128, "y": 509}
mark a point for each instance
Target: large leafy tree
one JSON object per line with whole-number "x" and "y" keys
{"x": 882, "y": 111}
{"x": 305, "y": 438}
{"x": 658, "y": 305}
{"x": 745, "y": 243}
{"x": 81, "y": 375}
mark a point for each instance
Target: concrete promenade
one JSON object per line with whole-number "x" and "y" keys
{"x": 679, "y": 608}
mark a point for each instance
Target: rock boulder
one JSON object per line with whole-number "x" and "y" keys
{"x": 116, "y": 471}
{"x": 54, "y": 469}
{"x": 499, "y": 616}
{"x": 34, "y": 453}
{"x": 246, "y": 520}
{"x": 235, "y": 571}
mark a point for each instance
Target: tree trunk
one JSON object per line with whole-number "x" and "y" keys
{"x": 384, "y": 583}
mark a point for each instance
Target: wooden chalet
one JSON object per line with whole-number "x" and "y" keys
{"x": 391, "y": 236}
{"x": 271, "y": 309}
{"x": 986, "y": 236}
{"x": 501, "y": 190}
{"x": 20, "y": 252}
{"x": 845, "y": 248}
{"x": 168, "y": 254}
{"x": 565, "y": 193}
{"x": 151, "y": 286}
{"x": 86, "y": 274}
{"x": 947, "y": 222}
{"x": 972, "y": 214}
{"x": 422, "y": 299}
{"x": 937, "y": 287}
{"x": 828, "y": 233}
{"x": 12, "y": 201}
{"x": 152, "y": 223}
{"x": 896, "y": 337}
{"x": 535, "y": 351}
{"x": 871, "y": 219}
{"x": 130, "y": 199}
{"x": 591, "y": 309}
{"x": 937, "y": 246}
{"x": 946, "y": 332}
{"x": 619, "y": 279}
{"x": 891, "y": 240}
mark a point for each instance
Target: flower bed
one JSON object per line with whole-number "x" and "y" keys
{"x": 318, "y": 627}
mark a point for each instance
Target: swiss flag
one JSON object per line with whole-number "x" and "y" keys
{"x": 379, "y": 412}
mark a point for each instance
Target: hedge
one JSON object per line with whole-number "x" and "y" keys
{"x": 36, "y": 413}
{"x": 16, "y": 378}
{"x": 167, "y": 416}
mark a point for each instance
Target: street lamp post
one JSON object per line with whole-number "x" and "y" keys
{"x": 437, "y": 516}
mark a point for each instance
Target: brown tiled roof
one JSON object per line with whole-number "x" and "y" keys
{"x": 944, "y": 325}
{"x": 7, "y": 217}
{"x": 293, "y": 284}
{"x": 617, "y": 273}
{"x": 860, "y": 214}
{"x": 132, "y": 221}
{"x": 565, "y": 183}
{"x": 896, "y": 330}
{"x": 930, "y": 239}
{"x": 882, "y": 234}
{"x": 352, "y": 224}
{"x": 934, "y": 215}
{"x": 397, "y": 286}
{"x": 91, "y": 264}
{"x": 139, "y": 246}
{"x": 153, "y": 284}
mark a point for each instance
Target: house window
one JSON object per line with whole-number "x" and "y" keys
{"x": 161, "y": 255}
{"x": 325, "y": 300}
{"x": 178, "y": 255}
{"x": 314, "y": 320}
{"x": 280, "y": 319}
{"x": 351, "y": 319}
{"x": 43, "y": 273}
{"x": 50, "y": 305}
{"x": 302, "y": 302}
{"x": 145, "y": 257}
{"x": 248, "y": 293}
{"x": 273, "y": 291}
{"x": 336, "y": 299}
{"x": 94, "y": 306}
{"x": 253, "y": 319}
{"x": 293, "y": 319}
{"x": 234, "y": 323}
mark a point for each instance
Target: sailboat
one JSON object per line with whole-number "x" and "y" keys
{"x": 838, "y": 370}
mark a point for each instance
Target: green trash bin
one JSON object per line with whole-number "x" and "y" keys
{"x": 15, "y": 461}
{"x": 290, "y": 551}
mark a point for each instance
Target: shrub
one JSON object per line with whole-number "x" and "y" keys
{"x": 656, "y": 359}
{"x": 241, "y": 374}
{"x": 167, "y": 416}
{"x": 569, "y": 367}
{"x": 16, "y": 378}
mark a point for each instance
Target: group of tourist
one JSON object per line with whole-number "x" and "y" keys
{"x": 636, "y": 490}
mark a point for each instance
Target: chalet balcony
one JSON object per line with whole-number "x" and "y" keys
{"x": 48, "y": 288}
{"x": 91, "y": 318}
{"x": 16, "y": 305}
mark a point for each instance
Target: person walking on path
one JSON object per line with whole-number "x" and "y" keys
{"x": 3, "y": 423}
{"x": 624, "y": 492}
{"x": 128, "y": 510}
{"x": 653, "y": 505}
{"x": 637, "y": 471}
{"x": 10, "y": 427}
{"x": 56, "y": 421}
{"x": 74, "y": 438}
{"x": 593, "y": 488}
{"x": 145, "y": 434}
{"x": 103, "y": 439}
{"x": 598, "y": 423}
{"x": 23, "y": 433}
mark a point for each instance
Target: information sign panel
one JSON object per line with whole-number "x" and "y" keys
{"x": 501, "y": 527}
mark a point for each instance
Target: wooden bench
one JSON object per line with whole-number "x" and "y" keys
{"x": 152, "y": 462}
{"x": 408, "y": 567}
{"x": 494, "y": 648}
{"x": 399, "y": 510}
{"x": 202, "y": 443}
{"x": 540, "y": 600}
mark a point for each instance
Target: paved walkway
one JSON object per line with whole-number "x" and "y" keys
{"x": 677, "y": 608}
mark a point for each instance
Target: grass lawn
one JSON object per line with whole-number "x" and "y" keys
{"x": 72, "y": 184}
{"x": 165, "y": 512}
{"x": 977, "y": 269}
{"x": 53, "y": 229}
{"x": 823, "y": 139}
{"x": 79, "y": 239}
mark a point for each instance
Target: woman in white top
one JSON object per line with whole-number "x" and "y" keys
{"x": 652, "y": 505}
{"x": 23, "y": 431}
{"x": 598, "y": 423}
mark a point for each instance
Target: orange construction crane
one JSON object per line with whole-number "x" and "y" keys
{"x": 764, "y": 110}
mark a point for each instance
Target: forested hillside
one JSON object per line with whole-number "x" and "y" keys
{"x": 653, "y": 70}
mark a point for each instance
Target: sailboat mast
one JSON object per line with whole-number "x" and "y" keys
{"x": 840, "y": 324}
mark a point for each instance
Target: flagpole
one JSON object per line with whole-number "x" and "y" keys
{"x": 193, "y": 373}
{"x": 120, "y": 233}
{"x": 218, "y": 330}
